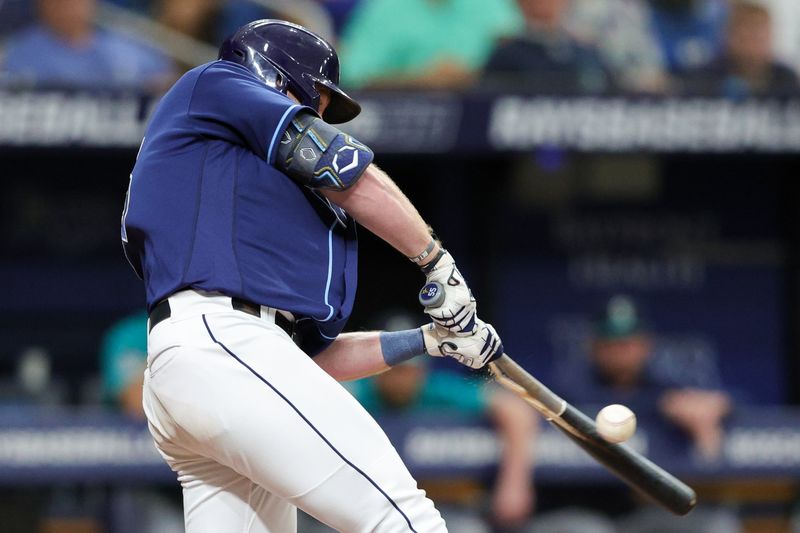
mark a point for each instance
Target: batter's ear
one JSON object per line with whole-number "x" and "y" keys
{"x": 320, "y": 156}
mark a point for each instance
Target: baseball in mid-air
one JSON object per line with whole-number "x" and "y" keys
{"x": 616, "y": 423}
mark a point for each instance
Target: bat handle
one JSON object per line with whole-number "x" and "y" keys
{"x": 431, "y": 295}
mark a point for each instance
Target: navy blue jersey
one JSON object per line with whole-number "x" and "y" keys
{"x": 208, "y": 210}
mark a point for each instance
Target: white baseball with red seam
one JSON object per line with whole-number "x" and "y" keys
{"x": 616, "y": 423}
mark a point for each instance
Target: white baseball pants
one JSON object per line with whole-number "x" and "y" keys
{"x": 254, "y": 428}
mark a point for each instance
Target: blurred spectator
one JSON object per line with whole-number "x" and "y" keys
{"x": 339, "y": 11}
{"x": 237, "y": 13}
{"x": 142, "y": 6}
{"x": 623, "y": 367}
{"x": 545, "y": 58}
{"x": 422, "y": 43}
{"x": 195, "y": 18}
{"x": 123, "y": 357}
{"x": 785, "y": 16}
{"x": 622, "y": 32}
{"x": 64, "y": 48}
{"x": 14, "y": 14}
{"x": 747, "y": 67}
{"x": 211, "y": 21}
{"x": 33, "y": 382}
{"x": 690, "y": 32}
{"x": 679, "y": 393}
{"x": 413, "y": 389}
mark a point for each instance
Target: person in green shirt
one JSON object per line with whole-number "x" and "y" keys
{"x": 423, "y": 43}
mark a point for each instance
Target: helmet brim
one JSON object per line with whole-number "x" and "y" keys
{"x": 341, "y": 108}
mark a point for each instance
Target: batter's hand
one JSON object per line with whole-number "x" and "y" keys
{"x": 457, "y": 310}
{"x": 474, "y": 351}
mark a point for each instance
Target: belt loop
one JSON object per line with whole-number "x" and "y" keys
{"x": 246, "y": 307}
{"x": 160, "y": 313}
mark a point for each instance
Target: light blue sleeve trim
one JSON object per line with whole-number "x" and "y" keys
{"x": 317, "y": 141}
{"x": 323, "y": 335}
{"x": 330, "y": 272}
{"x": 278, "y": 132}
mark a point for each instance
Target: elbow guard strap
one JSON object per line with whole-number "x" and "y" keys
{"x": 320, "y": 156}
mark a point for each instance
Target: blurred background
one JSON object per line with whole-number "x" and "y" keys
{"x": 617, "y": 178}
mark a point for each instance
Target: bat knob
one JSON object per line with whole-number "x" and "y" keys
{"x": 431, "y": 295}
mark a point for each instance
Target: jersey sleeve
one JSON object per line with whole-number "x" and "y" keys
{"x": 230, "y": 104}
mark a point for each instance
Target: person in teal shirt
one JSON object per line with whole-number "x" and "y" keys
{"x": 423, "y": 43}
{"x": 123, "y": 357}
{"x": 413, "y": 389}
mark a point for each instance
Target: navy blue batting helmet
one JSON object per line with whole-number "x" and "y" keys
{"x": 290, "y": 57}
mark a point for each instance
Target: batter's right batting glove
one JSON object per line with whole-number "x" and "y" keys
{"x": 457, "y": 311}
{"x": 474, "y": 351}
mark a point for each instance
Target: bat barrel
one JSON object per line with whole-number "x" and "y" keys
{"x": 630, "y": 466}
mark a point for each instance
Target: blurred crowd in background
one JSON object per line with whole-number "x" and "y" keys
{"x": 734, "y": 48}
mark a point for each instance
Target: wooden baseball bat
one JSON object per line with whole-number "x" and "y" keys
{"x": 633, "y": 468}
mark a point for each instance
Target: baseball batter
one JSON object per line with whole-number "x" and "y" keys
{"x": 241, "y": 220}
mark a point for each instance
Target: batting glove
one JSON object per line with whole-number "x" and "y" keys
{"x": 474, "y": 351}
{"x": 457, "y": 312}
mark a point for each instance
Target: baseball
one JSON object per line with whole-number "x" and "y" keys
{"x": 616, "y": 423}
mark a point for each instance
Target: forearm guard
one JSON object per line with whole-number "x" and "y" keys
{"x": 320, "y": 156}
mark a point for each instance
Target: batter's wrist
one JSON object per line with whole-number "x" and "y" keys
{"x": 425, "y": 255}
{"x": 429, "y": 265}
{"x": 400, "y": 346}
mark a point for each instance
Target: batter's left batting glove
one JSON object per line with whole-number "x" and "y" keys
{"x": 474, "y": 351}
{"x": 457, "y": 311}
